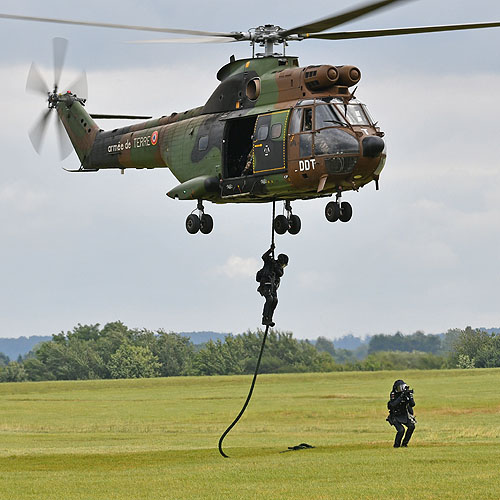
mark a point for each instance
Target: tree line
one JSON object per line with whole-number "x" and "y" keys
{"x": 116, "y": 351}
{"x": 418, "y": 341}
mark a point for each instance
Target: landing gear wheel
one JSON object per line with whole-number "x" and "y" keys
{"x": 294, "y": 224}
{"x": 280, "y": 224}
{"x": 206, "y": 224}
{"x": 345, "y": 212}
{"x": 332, "y": 211}
{"x": 288, "y": 222}
{"x": 193, "y": 224}
{"x": 201, "y": 222}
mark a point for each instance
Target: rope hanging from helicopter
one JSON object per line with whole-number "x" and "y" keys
{"x": 257, "y": 366}
{"x": 235, "y": 421}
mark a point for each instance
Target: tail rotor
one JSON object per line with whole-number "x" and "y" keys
{"x": 36, "y": 84}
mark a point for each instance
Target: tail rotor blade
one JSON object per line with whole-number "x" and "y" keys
{"x": 35, "y": 81}
{"x": 79, "y": 86}
{"x": 60, "y": 47}
{"x": 37, "y": 132}
{"x": 65, "y": 146}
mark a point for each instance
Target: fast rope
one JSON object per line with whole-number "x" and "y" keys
{"x": 272, "y": 226}
{"x": 235, "y": 421}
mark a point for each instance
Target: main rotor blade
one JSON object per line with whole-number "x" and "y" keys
{"x": 401, "y": 31}
{"x": 79, "y": 86}
{"x": 200, "y": 39}
{"x": 60, "y": 48}
{"x": 65, "y": 146}
{"x": 99, "y": 116}
{"x": 338, "y": 19}
{"x": 35, "y": 81}
{"x": 118, "y": 26}
{"x": 37, "y": 132}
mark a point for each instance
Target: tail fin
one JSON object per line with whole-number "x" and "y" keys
{"x": 79, "y": 125}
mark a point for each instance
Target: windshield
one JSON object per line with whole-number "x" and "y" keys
{"x": 327, "y": 116}
{"x": 356, "y": 113}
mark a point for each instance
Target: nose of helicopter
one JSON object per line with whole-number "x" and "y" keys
{"x": 372, "y": 146}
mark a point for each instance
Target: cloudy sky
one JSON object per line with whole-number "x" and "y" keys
{"x": 421, "y": 253}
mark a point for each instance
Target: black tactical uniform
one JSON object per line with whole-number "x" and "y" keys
{"x": 269, "y": 278}
{"x": 400, "y": 407}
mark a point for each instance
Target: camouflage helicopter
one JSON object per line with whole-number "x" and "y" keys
{"x": 271, "y": 130}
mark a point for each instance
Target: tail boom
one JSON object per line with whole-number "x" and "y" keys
{"x": 80, "y": 127}
{"x": 134, "y": 146}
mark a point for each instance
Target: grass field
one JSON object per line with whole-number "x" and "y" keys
{"x": 157, "y": 438}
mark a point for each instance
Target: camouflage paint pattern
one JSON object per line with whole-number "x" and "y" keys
{"x": 253, "y": 94}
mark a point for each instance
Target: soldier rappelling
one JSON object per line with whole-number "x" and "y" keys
{"x": 269, "y": 278}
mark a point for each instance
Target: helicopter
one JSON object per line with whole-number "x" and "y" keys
{"x": 271, "y": 131}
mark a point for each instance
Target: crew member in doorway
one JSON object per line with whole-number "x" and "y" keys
{"x": 400, "y": 407}
{"x": 248, "y": 170}
{"x": 269, "y": 278}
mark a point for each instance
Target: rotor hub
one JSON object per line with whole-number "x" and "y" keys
{"x": 266, "y": 33}
{"x": 53, "y": 99}
{"x": 267, "y": 36}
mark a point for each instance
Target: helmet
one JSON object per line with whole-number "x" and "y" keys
{"x": 399, "y": 386}
{"x": 283, "y": 259}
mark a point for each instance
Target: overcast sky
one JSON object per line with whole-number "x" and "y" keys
{"x": 421, "y": 253}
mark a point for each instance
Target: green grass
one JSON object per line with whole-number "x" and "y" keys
{"x": 157, "y": 438}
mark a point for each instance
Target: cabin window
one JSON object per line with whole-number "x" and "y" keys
{"x": 276, "y": 131}
{"x": 203, "y": 143}
{"x": 262, "y": 133}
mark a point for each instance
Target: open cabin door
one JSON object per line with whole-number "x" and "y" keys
{"x": 269, "y": 142}
{"x": 254, "y": 146}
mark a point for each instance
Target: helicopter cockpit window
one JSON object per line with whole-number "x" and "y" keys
{"x": 355, "y": 114}
{"x": 307, "y": 122}
{"x": 334, "y": 141}
{"x": 203, "y": 143}
{"x": 295, "y": 121}
{"x": 327, "y": 116}
{"x": 365, "y": 109}
{"x": 305, "y": 145}
{"x": 262, "y": 133}
{"x": 301, "y": 124}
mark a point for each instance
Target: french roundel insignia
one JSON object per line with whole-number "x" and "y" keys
{"x": 154, "y": 137}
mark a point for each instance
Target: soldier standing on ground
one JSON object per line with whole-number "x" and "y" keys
{"x": 400, "y": 407}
